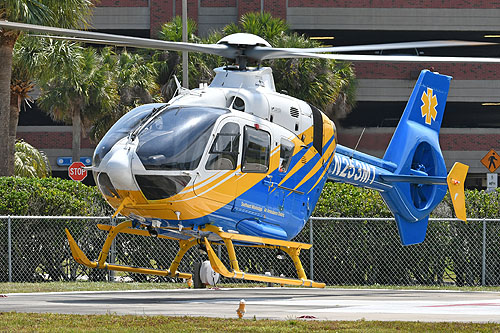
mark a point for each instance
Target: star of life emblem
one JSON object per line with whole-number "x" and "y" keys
{"x": 428, "y": 109}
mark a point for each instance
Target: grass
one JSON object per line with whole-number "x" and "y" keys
{"x": 25, "y": 287}
{"x": 30, "y": 322}
{"x": 28, "y": 287}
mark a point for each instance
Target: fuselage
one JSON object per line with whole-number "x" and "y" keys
{"x": 235, "y": 154}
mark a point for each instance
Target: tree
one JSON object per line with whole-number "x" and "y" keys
{"x": 327, "y": 84}
{"x": 65, "y": 14}
{"x": 30, "y": 162}
{"x": 83, "y": 90}
{"x": 263, "y": 25}
{"x": 21, "y": 85}
{"x": 135, "y": 76}
{"x": 169, "y": 63}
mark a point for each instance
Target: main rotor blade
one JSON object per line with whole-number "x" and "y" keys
{"x": 216, "y": 49}
{"x": 383, "y": 58}
{"x": 262, "y": 53}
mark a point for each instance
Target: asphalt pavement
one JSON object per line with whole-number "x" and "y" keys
{"x": 272, "y": 303}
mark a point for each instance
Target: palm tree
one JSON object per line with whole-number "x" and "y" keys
{"x": 169, "y": 64}
{"x": 327, "y": 84}
{"x": 21, "y": 85}
{"x": 83, "y": 90}
{"x": 65, "y": 14}
{"x": 135, "y": 77}
{"x": 263, "y": 25}
{"x": 30, "y": 162}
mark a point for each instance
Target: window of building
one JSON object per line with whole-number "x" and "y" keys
{"x": 256, "y": 149}
{"x": 224, "y": 151}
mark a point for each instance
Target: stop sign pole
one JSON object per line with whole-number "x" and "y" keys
{"x": 77, "y": 172}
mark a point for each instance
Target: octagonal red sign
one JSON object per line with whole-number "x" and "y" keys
{"x": 76, "y": 171}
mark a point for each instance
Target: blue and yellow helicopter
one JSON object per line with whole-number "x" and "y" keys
{"x": 237, "y": 163}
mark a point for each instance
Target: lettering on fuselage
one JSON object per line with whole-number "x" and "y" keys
{"x": 251, "y": 206}
{"x": 261, "y": 209}
{"x": 358, "y": 171}
{"x": 273, "y": 212}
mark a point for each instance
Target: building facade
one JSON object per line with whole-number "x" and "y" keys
{"x": 471, "y": 126}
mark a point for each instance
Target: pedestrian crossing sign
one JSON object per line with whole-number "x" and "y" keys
{"x": 491, "y": 160}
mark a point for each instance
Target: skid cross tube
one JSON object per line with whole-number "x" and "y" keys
{"x": 124, "y": 227}
{"x": 291, "y": 248}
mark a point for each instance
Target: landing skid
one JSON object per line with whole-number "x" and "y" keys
{"x": 291, "y": 248}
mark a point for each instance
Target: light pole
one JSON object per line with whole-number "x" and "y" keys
{"x": 185, "y": 79}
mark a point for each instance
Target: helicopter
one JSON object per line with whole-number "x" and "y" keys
{"x": 237, "y": 163}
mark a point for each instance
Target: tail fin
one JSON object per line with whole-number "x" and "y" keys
{"x": 415, "y": 150}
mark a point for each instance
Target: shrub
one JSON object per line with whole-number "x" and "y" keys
{"x": 50, "y": 196}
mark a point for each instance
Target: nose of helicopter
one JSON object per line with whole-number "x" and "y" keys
{"x": 119, "y": 170}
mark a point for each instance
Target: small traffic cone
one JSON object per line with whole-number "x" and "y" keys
{"x": 241, "y": 309}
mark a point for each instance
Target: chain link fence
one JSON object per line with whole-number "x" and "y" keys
{"x": 346, "y": 251}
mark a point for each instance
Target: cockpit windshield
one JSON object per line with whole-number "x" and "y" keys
{"x": 121, "y": 129}
{"x": 177, "y": 137}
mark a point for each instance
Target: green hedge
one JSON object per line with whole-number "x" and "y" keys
{"x": 57, "y": 197}
{"x": 50, "y": 197}
{"x": 338, "y": 199}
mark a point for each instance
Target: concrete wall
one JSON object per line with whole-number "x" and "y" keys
{"x": 452, "y": 19}
{"x": 466, "y": 145}
{"x": 399, "y": 90}
{"x": 122, "y": 18}
{"x": 394, "y": 81}
{"x": 54, "y": 141}
{"x": 213, "y": 18}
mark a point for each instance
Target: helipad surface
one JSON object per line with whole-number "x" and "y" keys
{"x": 273, "y": 303}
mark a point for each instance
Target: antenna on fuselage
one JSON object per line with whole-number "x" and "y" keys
{"x": 357, "y": 143}
{"x": 178, "y": 84}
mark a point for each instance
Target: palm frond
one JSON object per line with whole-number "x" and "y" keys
{"x": 30, "y": 162}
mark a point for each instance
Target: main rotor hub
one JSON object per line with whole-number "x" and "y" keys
{"x": 243, "y": 40}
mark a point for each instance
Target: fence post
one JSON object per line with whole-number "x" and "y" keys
{"x": 483, "y": 271}
{"x": 112, "y": 252}
{"x": 311, "y": 251}
{"x": 9, "y": 247}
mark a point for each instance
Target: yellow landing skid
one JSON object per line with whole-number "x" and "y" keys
{"x": 291, "y": 248}
{"x": 123, "y": 227}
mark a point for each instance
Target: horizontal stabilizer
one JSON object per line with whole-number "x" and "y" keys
{"x": 414, "y": 179}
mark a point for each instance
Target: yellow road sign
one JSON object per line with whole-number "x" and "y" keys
{"x": 491, "y": 160}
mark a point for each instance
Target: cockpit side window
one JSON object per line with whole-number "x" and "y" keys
{"x": 256, "y": 150}
{"x": 224, "y": 151}
{"x": 286, "y": 153}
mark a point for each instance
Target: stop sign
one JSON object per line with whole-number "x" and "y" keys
{"x": 76, "y": 171}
